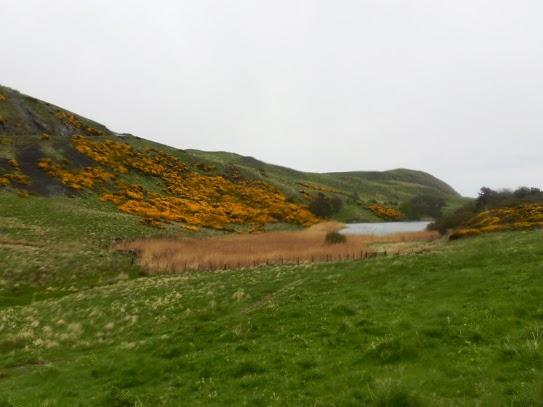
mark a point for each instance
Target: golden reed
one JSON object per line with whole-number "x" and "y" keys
{"x": 249, "y": 250}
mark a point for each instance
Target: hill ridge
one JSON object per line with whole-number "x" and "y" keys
{"x": 445, "y": 187}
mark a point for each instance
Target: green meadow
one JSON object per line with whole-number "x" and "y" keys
{"x": 461, "y": 325}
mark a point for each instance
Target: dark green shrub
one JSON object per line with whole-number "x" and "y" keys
{"x": 423, "y": 206}
{"x": 453, "y": 220}
{"x": 324, "y": 206}
{"x": 490, "y": 199}
{"x": 335, "y": 238}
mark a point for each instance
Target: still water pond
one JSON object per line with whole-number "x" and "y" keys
{"x": 385, "y": 228}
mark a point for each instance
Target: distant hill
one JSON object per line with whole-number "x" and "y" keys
{"x": 357, "y": 189}
{"x": 49, "y": 151}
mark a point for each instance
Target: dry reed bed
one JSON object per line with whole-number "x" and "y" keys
{"x": 249, "y": 250}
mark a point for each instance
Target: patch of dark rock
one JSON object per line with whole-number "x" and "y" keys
{"x": 74, "y": 157}
{"x": 31, "y": 121}
{"x": 40, "y": 182}
{"x": 4, "y": 164}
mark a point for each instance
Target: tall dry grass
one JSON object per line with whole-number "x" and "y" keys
{"x": 248, "y": 250}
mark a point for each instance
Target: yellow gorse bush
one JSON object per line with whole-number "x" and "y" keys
{"x": 72, "y": 121}
{"x": 14, "y": 163}
{"x": 77, "y": 179}
{"x": 189, "y": 197}
{"x": 521, "y": 217}
{"x": 14, "y": 175}
{"x": 385, "y": 212}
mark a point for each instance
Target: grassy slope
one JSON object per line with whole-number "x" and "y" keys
{"x": 393, "y": 186}
{"x": 460, "y": 326}
{"x": 53, "y": 245}
{"x": 48, "y": 244}
{"x": 26, "y": 119}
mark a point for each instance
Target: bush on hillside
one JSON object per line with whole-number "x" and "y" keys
{"x": 489, "y": 200}
{"x": 423, "y": 206}
{"x": 385, "y": 212}
{"x": 325, "y": 207}
{"x": 453, "y": 220}
{"x": 518, "y": 217}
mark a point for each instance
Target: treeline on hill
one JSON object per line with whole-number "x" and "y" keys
{"x": 421, "y": 206}
{"x": 488, "y": 200}
{"x": 325, "y": 207}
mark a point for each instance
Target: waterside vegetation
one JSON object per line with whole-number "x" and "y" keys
{"x": 494, "y": 211}
{"x": 317, "y": 244}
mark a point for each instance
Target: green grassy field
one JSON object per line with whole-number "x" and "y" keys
{"x": 462, "y": 325}
{"x": 50, "y": 245}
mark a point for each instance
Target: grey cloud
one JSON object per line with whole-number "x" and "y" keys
{"x": 453, "y": 88}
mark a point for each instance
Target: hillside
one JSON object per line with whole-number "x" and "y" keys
{"x": 356, "y": 189}
{"x": 48, "y": 151}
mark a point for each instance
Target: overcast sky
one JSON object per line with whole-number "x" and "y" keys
{"x": 454, "y": 88}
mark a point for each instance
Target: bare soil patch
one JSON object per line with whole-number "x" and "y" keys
{"x": 17, "y": 244}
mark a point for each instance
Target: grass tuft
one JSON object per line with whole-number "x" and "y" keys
{"x": 247, "y": 368}
{"x": 390, "y": 393}
{"x": 390, "y": 350}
